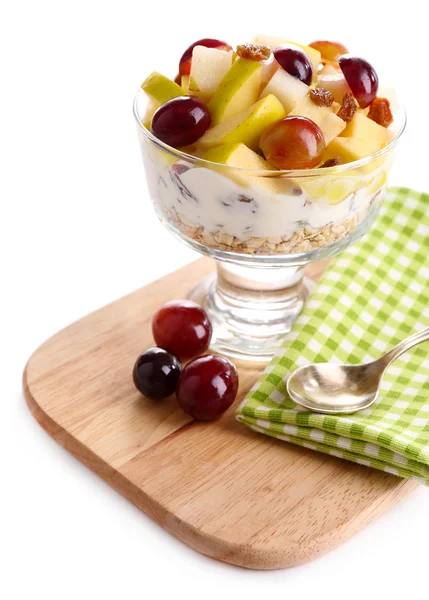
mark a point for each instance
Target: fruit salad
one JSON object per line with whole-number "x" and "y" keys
{"x": 271, "y": 147}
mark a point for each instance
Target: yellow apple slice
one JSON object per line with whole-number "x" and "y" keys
{"x": 245, "y": 127}
{"x": 240, "y": 156}
{"x": 349, "y": 149}
{"x": 237, "y": 91}
{"x": 377, "y": 182}
{"x": 160, "y": 89}
{"x": 362, "y": 127}
{"x": 151, "y": 109}
{"x": 288, "y": 89}
{"x": 331, "y": 127}
{"x": 237, "y": 155}
{"x": 333, "y": 189}
{"x": 209, "y": 67}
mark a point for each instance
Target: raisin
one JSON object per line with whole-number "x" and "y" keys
{"x": 321, "y": 97}
{"x": 253, "y": 52}
{"x": 379, "y": 111}
{"x": 331, "y": 162}
{"x": 179, "y": 168}
{"x": 348, "y": 108}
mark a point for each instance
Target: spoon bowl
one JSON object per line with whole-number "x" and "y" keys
{"x": 331, "y": 388}
{"x": 324, "y": 387}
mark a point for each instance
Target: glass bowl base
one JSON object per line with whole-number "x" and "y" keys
{"x": 250, "y": 329}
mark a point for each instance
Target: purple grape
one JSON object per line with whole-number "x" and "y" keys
{"x": 361, "y": 77}
{"x": 295, "y": 61}
{"x": 156, "y": 373}
{"x": 181, "y": 121}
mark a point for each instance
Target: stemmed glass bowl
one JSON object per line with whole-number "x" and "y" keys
{"x": 262, "y": 228}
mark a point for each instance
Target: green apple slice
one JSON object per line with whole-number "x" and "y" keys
{"x": 245, "y": 127}
{"x": 237, "y": 91}
{"x": 288, "y": 89}
{"x": 160, "y": 89}
{"x": 209, "y": 67}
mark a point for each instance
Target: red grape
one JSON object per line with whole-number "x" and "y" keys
{"x": 181, "y": 121}
{"x": 330, "y": 51}
{"x": 295, "y": 61}
{"x": 361, "y": 77}
{"x": 207, "y": 387}
{"x": 156, "y": 373}
{"x": 182, "y": 327}
{"x": 186, "y": 60}
{"x": 293, "y": 143}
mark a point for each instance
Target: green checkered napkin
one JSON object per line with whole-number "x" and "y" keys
{"x": 372, "y": 296}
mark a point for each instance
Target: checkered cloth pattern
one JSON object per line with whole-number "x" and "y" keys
{"x": 372, "y": 296}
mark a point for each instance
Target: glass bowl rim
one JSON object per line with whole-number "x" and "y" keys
{"x": 401, "y": 116}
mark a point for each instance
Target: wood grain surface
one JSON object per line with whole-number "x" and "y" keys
{"x": 230, "y": 493}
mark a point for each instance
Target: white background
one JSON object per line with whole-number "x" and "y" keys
{"x": 77, "y": 231}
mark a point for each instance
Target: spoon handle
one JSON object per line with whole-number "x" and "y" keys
{"x": 413, "y": 340}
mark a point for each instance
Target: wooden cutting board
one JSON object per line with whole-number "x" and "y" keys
{"x": 230, "y": 493}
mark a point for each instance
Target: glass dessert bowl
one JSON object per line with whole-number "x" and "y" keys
{"x": 262, "y": 225}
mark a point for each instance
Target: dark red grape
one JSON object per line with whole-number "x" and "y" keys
{"x": 207, "y": 387}
{"x": 361, "y": 77}
{"x": 182, "y": 327}
{"x": 156, "y": 373}
{"x": 186, "y": 60}
{"x": 293, "y": 143}
{"x": 295, "y": 61}
{"x": 181, "y": 121}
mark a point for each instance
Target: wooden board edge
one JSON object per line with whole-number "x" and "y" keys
{"x": 209, "y": 545}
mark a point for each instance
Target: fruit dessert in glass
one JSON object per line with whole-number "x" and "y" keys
{"x": 266, "y": 158}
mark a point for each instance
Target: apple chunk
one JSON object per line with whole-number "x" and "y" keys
{"x": 349, "y": 149}
{"x": 237, "y": 155}
{"x": 241, "y": 157}
{"x": 160, "y": 89}
{"x": 362, "y": 127}
{"x": 237, "y": 91}
{"x": 209, "y": 67}
{"x": 245, "y": 127}
{"x": 333, "y": 189}
{"x": 288, "y": 89}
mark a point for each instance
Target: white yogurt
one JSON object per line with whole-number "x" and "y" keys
{"x": 205, "y": 198}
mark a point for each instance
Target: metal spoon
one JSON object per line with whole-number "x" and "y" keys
{"x": 330, "y": 388}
